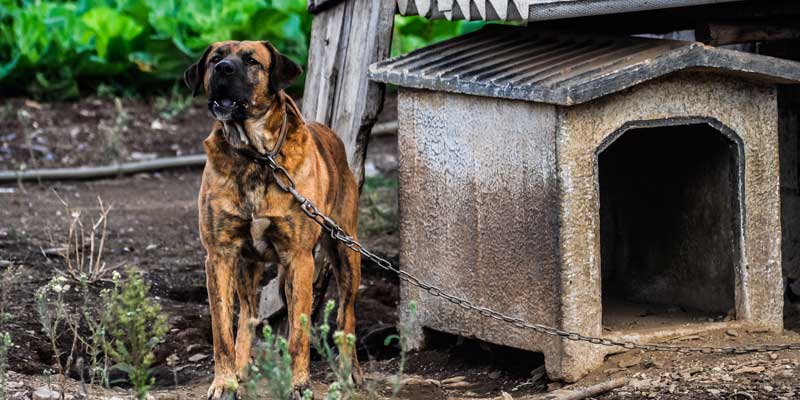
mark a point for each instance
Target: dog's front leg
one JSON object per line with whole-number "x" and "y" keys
{"x": 299, "y": 294}
{"x": 220, "y": 280}
{"x": 248, "y": 277}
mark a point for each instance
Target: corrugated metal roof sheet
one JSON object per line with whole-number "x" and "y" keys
{"x": 534, "y": 10}
{"x": 562, "y": 68}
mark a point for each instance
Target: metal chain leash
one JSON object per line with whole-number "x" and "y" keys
{"x": 287, "y": 184}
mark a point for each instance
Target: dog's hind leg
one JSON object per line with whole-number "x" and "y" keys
{"x": 299, "y": 296}
{"x": 349, "y": 278}
{"x": 248, "y": 277}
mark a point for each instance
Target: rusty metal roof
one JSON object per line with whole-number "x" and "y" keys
{"x": 563, "y": 68}
{"x": 534, "y": 10}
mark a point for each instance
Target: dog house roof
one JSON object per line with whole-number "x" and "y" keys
{"x": 563, "y": 68}
{"x": 534, "y": 10}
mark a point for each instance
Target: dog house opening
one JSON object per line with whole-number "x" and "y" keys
{"x": 670, "y": 226}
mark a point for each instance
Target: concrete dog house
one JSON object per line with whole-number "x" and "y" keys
{"x": 618, "y": 187}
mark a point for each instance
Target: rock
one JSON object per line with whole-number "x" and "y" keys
{"x": 750, "y": 370}
{"x": 412, "y": 381}
{"x": 495, "y": 374}
{"x": 198, "y": 357}
{"x": 44, "y": 393}
{"x": 630, "y": 362}
{"x": 553, "y": 386}
{"x": 191, "y": 334}
{"x": 271, "y": 301}
{"x": 732, "y": 333}
{"x": 506, "y": 396}
{"x": 640, "y": 384}
{"x": 767, "y": 388}
{"x": 151, "y": 246}
{"x": 454, "y": 379}
{"x": 660, "y": 364}
{"x": 182, "y": 367}
{"x": 714, "y": 392}
{"x": 459, "y": 384}
{"x": 787, "y": 374}
{"x": 193, "y": 346}
{"x": 538, "y": 373}
{"x": 773, "y": 356}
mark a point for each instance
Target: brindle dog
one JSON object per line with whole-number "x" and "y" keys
{"x": 247, "y": 221}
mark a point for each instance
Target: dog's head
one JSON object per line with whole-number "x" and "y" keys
{"x": 240, "y": 78}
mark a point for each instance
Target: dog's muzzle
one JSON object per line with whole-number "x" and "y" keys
{"x": 227, "y": 109}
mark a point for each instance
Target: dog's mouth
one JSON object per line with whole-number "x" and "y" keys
{"x": 226, "y": 109}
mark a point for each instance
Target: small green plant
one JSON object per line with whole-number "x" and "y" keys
{"x": 402, "y": 340}
{"x": 56, "y": 320}
{"x": 135, "y": 325}
{"x": 343, "y": 387}
{"x": 5, "y": 344}
{"x": 7, "y": 279}
{"x": 272, "y": 366}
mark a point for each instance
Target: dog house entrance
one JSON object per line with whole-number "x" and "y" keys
{"x": 669, "y": 226}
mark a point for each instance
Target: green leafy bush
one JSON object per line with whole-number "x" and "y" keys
{"x": 62, "y": 49}
{"x": 51, "y": 48}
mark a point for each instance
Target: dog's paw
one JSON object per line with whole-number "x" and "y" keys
{"x": 357, "y": 376}
{"x": 302, "y": 391}
{"x": 223, "y": 388}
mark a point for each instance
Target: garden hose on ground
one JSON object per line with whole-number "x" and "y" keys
{"x": 107, "y": 171}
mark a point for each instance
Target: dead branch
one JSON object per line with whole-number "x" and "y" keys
{"x": 589, "y": 391}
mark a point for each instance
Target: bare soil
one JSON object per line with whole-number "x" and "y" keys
{"x": 153, "y": 226}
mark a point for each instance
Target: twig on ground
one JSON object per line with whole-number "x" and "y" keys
{"x": 85, "y": 264}
{"x": 589, "y": 391}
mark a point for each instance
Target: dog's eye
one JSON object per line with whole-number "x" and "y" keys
{"x": 251, "y": 61}
{"x": 215, "y": 59}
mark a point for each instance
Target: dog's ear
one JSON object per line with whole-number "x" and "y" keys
{"x": 282, "y": 70}
{"x": 193, "y": 76}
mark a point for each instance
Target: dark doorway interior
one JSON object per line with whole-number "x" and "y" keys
{"x": 669, "y": 225}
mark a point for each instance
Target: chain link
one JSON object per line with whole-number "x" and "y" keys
{"x": 287, "y": 184}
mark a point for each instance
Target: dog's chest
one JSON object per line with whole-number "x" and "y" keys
{"x": 259, "y": 229}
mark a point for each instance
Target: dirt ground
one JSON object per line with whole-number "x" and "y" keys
{"x": 153, "y": 226}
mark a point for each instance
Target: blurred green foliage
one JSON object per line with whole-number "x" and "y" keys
{"x": 51, "y": 48}
{"x": 56, "y": 49}
{"x": 411, "y": 33}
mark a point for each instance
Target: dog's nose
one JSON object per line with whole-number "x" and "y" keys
{"x": 224, "y": 67}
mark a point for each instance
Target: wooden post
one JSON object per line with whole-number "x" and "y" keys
{"x": 346, "y": 37}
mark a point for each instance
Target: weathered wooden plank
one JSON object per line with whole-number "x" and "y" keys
{"x": 345, "y": 40}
